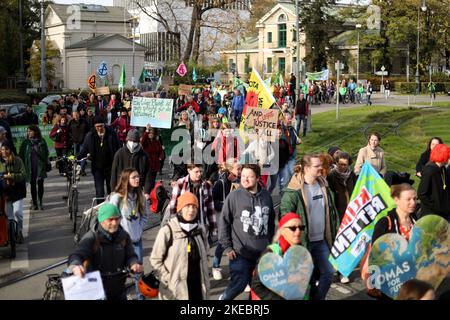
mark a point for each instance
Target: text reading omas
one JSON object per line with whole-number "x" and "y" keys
{"x": 237, "y": 309}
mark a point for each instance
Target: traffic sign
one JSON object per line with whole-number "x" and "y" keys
{"x": 383, "y": 68}
{"x": 381, "y": 73}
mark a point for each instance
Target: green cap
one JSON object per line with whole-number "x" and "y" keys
{"x": 107, "y": 211}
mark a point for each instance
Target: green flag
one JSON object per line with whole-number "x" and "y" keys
{"x": 194, "y": 75}
{"x": 238, "y": 82}
{"x": 279, "y": 80}
{"x": 143, "y": 74}
{"x": 122, "y": 78}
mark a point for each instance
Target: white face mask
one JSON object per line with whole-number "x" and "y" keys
{"x": 132, "y": 145}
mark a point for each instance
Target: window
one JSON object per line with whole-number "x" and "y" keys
{"x": 281, "y": 65}
{"x": 269, "y": 37}
{"x": 231, "y": 65}
{"x": 294, "y": 35}
{"x": 247, "y": 64}
{"x": 269, "y": 65}
{"x": 282, "y": 35}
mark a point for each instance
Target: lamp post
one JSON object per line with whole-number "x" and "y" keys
{"x": 132, "y": 71}
{"x": 358, "y": 26}
{"x": 21, "y": 82}
{"x": 43, "y": 77}
{"x": 423, "y": 7}
{"x": 297, "y": 30}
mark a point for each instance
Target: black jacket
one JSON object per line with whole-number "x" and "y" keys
{"x": 342, "y": 192}
{"x": 424, "y": 158}
{"x": 28, "y": 118}
{"x": 124, "y": 159}
{"x": 388, "y": 224}
{"x": 301, "y": 108}
{"x": 89, "y": 146}
{"x": 107, "y": 253}
{"x": 433, "y": 197}
{"x": 77, "y": 130}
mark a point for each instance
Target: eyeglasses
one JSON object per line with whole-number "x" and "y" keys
{"x": 293, "y": 228}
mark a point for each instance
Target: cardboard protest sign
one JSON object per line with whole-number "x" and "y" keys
{"x": 261, "y": 123}
{"x": 185, "y": 89}
{"x": 157, "y": 112}
{"x": 101, "y": 91}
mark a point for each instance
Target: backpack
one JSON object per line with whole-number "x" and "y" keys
{"x": 158, "y": 197}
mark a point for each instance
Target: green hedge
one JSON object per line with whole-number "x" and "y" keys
{"x": 405, "y": 87}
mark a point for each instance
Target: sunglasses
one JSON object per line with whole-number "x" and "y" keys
{"x": 293, "y": 228}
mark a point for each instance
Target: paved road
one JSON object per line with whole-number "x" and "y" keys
{"x": 49, "y": 237}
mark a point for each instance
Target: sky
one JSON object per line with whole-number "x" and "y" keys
{"x": 102, "y": 2}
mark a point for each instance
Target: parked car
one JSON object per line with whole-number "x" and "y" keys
{"x": 13, "y": 110}
{"x": 49, "y": 99}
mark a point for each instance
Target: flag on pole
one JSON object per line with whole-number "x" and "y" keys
{"x": 194, "y": 75}
{"x": 92, "y": 82}
{"x": 181, "y": 70}
{"x": 143, "y": 75}
{"x": 238, "y": 82}
{"x": 159, "y": 84}
{"x": 122, "y": 78}
{"x": 316, "y": 76}
{"x": 279, "y": 80}
{"x": 268, "y": 82}
{"x": 370, "y": 201}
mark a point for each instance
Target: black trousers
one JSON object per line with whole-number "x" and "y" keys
{"x": 39, "y": 192}
{"x": 100, "y": 178}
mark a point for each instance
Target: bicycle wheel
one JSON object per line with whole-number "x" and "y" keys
{"x": 12, "y": 238}
{"x": 69, "y": 203}
{"x": 74, "y": 209}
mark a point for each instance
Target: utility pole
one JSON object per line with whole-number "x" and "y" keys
{"x": 43, "y": 76}
{"x": 21, "y": 82}
{"x": 338, "y": 70}
{"x": 132, "y": 71}
{"x": 407, "y": 71}
{"x": 236, "y": 54}
{"x": 297, "y": 26}
{"x": 358, "y": 26}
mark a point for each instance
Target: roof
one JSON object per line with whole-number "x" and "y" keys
{"x": 93, "y": 42}
{"x": 349, "y": 37}
{"x": 250, "y": 43}
{"x": 91, "y": 12}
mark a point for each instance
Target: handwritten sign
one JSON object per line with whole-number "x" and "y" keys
{"x": 261, "y": 123}
{"x": 101, "y": 91}
{"x": 157, "y": 112}
{"x": 185, "y": 89}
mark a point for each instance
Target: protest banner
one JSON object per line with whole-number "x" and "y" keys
{"x": 157, "y": 112}
{"x": 370, "y": 201}
{"x": 258, "y": 95}
{"x": 185, "y": 89}
{"x": 101, "y": 91}
{"x": 318, "y": 76}
{"x": 19, "y": 134}
{"x": 261, "y": 124}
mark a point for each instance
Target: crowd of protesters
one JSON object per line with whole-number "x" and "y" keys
{"x": 226, "y": 204}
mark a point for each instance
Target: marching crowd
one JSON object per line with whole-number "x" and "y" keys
{"x": 226, "y": 204}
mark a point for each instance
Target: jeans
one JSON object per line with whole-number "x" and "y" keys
{"x": 14, "y": 211}
{"x": 273, "y": 182}
{"x": 320, "y": 252}
{"x": 100, "y": 178}
{"x": 301, "y": 118}
{"x": 217, "y": 256}
{"x": 241, "y": 271}
{"x": 368, "y": 100}
{"x": 286, "y": 173}
{"x": 139, "y": 250}
{"x": 237, "y": 116}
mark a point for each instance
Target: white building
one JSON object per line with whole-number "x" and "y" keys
{"x": 166, "y": 39}
{"x": 86, "y": 35}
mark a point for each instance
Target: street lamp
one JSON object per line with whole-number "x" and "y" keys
{"x": 423, "y": 7}
{"x": 358, "y": 26}
{"x": 43, "y": 77}
{"x": 21, "y": 82}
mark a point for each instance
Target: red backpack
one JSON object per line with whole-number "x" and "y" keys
{"x": 158, "y": 197}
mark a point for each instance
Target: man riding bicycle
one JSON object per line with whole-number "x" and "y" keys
{"x": 107, "y": 247}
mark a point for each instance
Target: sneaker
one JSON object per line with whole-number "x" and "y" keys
{"x": 345, "y": 280}
{"x": 217, "y": 273}
{"x": 247, "y": 288}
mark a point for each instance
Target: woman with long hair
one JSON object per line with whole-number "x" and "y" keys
{"x": 60, "y": 134}
{"x": 34, "y": 154}
{"x": 425, "y": 156}
{"x": 129, "y": 198}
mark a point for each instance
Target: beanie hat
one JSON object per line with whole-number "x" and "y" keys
{"x": 288, "y": 216}
{"x": 133, "y": 135}
{"x": 186, "y": 199}
{"x": 332, "y": 150}
{"x": 107, "y": 211}
{"x": 440, "y": 153}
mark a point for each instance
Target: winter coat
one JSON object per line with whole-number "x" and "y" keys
{"x": 295, "y": 200}
{"x": 375, "y": 158}
{"x": 28, "y": 118}
{"x": 16, "y": 188}
{"x": 134, "y": 226}
{"x": 25, "y": 154}
{"x": 106, "y": 253}
{"x": 154, "y": 151}
{"x": 238, "y": 103}
{"x": 171, "y": 261}
{"x": 77, "y": 131}
{"x": 138, "y": 160}
{"x": 90, "y": 146}
{"x": 433, "y": 198}
{"x": 247, "y": 223}
{"x": 122, "y": 126}
{"x": 424, "y": 158}
{"x": 342, "y": 190}
{"x": 62, "y": 138}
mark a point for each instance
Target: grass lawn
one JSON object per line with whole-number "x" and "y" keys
{"x": 405, "y": 132}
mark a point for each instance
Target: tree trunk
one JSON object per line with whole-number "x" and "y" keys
{"x": 196, "y": 52}
{"x": 194, "y": 18}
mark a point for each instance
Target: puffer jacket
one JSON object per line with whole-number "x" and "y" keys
{"x": 294, "y": 200}
{"x": 170, "y": 262}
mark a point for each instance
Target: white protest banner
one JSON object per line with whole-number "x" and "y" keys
{"x": 157, "y": 112}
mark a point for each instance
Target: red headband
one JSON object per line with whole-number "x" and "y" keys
{"x": 288, "y": 216}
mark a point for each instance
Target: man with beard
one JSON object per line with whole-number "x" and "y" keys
{"x": 247, "y": 218}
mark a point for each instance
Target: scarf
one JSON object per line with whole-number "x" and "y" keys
{"x": 284, "y": 245}
{"x": 342, "y": 176}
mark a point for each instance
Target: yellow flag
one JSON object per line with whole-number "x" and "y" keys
{"x": 258, "y": 95}
{"x": 91, "y": 82}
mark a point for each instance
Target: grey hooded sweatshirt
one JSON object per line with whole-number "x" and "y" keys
{"x": 247, "y": 223}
